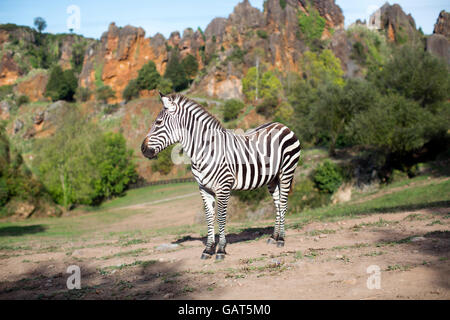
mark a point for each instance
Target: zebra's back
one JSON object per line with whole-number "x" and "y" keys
{"x": 259, "y": 156}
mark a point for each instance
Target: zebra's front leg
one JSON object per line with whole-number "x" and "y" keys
{"x": 208, "y": 201}
{"x": 222, "y": 202}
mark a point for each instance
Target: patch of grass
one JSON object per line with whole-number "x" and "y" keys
{"x": 435, "y": 194}
{"x": 398, "y": 267}
{"x": 131, "y": 253}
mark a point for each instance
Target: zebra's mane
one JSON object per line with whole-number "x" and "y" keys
{"x": 183, "y": 100}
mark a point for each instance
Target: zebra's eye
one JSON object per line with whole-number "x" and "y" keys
{"x": 158, "y": 122}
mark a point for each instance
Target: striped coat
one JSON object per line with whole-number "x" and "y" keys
{"x": 225, "y": 160}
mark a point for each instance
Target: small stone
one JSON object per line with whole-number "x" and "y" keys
{"x": 350, "y": 281}
{"x": 161, "y": 260}
{"x": 316, "y": 238}
{"x": 339, "y": 256}
{"x": 168, "y": 296}
{"x": 415, "y": 251}
{"x": 323, "y": 236}
{"x": 416, "y": 239}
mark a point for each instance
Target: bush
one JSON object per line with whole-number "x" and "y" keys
{"x": 104, "y": 93}
{"x": 415, "y": 74}
{"x": 251, "y": 196}
{"x": 61, "y": 84}
{"x": 163, "y": 164}
{"x": 311, "y": 25}
{"x": 306, "y": 196}
{"x": 190, "y": 66}
{"x": 262, "y": 34}
{"x": 115, "y": 165}
{"x": 165, "y": 86}
{"x": 148, "y": 77}
{"x": 131, "y": 90}
{"x": 231, "y": 109}
{"x": 83, "y": 94}
{"x": 81, "y": 165}
{"x": 327, "y": 177}
{"x": 175, "y": 72}
{"x": 23, "y": 99}
{"x": 269, "y": 86}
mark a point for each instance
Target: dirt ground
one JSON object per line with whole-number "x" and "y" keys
{"x": 401, "y": 255}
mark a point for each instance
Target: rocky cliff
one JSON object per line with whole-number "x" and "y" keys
{"x": 224, "y": 51}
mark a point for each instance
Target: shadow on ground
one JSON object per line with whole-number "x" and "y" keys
{"x": 21, "y": 230}
{"x": 434, "y": 244}
{"x": 155, "y": 280}
{"x": 242, "y": 236}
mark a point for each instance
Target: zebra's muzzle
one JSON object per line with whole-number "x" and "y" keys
{"x": 148, "y": 152}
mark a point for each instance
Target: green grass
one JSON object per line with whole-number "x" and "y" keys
{"x": 75, "y": 227}
{"x": 435, "y": 194}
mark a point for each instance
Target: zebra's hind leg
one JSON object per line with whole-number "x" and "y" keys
{"x": 222, "y": 202}
{"x": 284, "y": 187}
{"x": 274, "y": 190}
{"x": 208, "y": 201}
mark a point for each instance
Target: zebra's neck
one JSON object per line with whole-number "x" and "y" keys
{"x": 199, "y": 128}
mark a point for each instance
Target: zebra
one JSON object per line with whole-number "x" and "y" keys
{"x": 222, "y": 161}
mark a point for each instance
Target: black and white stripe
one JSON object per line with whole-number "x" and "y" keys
{"x": 223, "y": 160}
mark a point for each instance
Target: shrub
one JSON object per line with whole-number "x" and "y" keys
{"x": 190, "y": 66}
{"x": 327, "y": 177}
{"x": 251, "y": 196}
{"x": 163, "y": 164}
{"x": 165, "y": 86}
{"x": 115, "y": 165}
{"x": 311, "y": 25}
{"x": 131, "y": 90}
{"x": 83, "y": 94}
{"x": 231, "y": 109}
{"x": 148, "y": 77}
{"x": 306, "y": 196}
{"x": 104, "y": 93}
{"x": 23, "y": 99}
{"x": 266, "y": 84}
{"x": 80, "y": 164}
{"x": 175, "y": 72}
{"x": 262, "y": 34}
{"x": 61, "y": 84}
{"x": 416, "y": 74}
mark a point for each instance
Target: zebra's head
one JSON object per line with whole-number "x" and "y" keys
{"x": 165, "y": 129}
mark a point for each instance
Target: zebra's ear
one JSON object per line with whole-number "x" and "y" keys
{"x": 167, "y": 103}
{"x": 161, "y": 95}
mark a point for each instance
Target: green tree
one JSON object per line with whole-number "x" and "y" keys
{"x": 61, "y": 85}
{"x": 322, "y": 67}
{"x": 176, "y": 73}
{"x": 311, "y": 24}
{"x": 416, "y": 74}
{"x": 336, "y": 106}
{"x": 40, "y": 24}
{"x": 131, "y": 90}
{"x": 104, "y": 93}
{"x": 190, "y": 66}
{"x": 163, "y": 164}
{"x": 231, "y": 109}
{"x": 165, "y": 86}
{"x": 327, "y": 177}
{"x": 395, "y": 124}
{"x": 66, "y": 160}
{"x": 264, "y": 86}
{"x": 115, "y": 166}
{"x": 148, "y": 77}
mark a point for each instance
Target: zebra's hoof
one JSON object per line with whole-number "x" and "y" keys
{"x": 205, "y": 256}
{"x": 271, "y": 241}
{"x": 280, "y": 243}
{"x": 220, "y": 256}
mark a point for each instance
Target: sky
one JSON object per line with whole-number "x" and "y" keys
{"x": 175, "y": 15}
